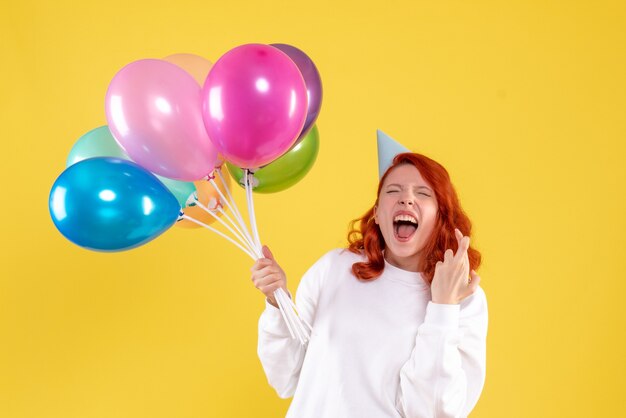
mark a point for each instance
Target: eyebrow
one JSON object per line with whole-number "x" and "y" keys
{"x": 400, "y": 186}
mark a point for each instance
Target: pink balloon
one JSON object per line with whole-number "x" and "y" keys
{"x": 254, "y": 104}
{"x": 153, "y": 109}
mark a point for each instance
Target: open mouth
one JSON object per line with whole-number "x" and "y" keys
{"x": 404, "y": 226}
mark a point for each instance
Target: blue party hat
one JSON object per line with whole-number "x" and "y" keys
{"x": 388, "y": 148}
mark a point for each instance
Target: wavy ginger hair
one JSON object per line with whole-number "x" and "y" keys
{"x": 364, "y": 236}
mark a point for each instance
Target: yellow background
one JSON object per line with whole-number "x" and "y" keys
{"x": 523, "y": 102}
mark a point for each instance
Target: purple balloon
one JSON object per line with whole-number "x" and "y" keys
{"x": 254, "y": 104}
{"x": 312, "y": 81}
{"x": 153, "y": 109}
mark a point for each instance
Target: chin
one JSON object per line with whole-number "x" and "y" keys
{"x": 403, "y": 250}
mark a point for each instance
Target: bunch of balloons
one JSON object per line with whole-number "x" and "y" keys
{"x": 172, "y": 124}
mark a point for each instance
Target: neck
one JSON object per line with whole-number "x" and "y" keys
{"x": 411, "y": 263}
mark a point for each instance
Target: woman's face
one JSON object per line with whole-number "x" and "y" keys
{"x": 406, "y": 214}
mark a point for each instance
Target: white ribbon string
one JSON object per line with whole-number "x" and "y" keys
{"x": 232, "y": 205}
{"x": 283, "y": 312}
{"x": 251, "y": 213}
{"x": 218, "y": 233}
{"x": 252, "y": 243}
{"x": 293, "y": 306}
{"x": 291, "y": 316}
{"x": 239, "y": 236}
{"x": 244, "y": 233}
{"x": 236, "y": 212}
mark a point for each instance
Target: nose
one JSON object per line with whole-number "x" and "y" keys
{"x": 406, "y": 201}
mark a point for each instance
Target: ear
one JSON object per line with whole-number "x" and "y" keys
{"x": 375, "y": 216}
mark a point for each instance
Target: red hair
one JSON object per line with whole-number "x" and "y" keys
{"x": 364, "y": 236}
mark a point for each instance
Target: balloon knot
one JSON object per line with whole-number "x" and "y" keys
{"x": 216, "y": 207}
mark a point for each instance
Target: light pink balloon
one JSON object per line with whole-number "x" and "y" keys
{"x": 153, "y": 109}
{"x": 254, "y": 104}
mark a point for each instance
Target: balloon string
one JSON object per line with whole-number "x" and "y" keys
{"x": 293, "y": 306}
{"x": 233, "y": 207}
{"x": 239, "y": 236}
{"x": 251, "y": 213}
{"x": 245, "y": 186}
{"x": 296, "y": 319}
{"x": 283, "y": 313}
{"x": 228, "y": 203}
{"x": 290, "y": 316}
{"x": 246, "y": 236}
{"x": 236, "y": 212}
{"x": 219, "y": 233}
{"x": 287, "y": 308}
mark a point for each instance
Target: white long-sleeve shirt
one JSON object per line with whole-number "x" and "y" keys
{"x": 378, "y": 348}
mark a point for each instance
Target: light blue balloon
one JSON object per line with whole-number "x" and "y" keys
{"x": 181, "y": 190}
{"x": 110, "y": 204}
{"x": 99, "y": 142}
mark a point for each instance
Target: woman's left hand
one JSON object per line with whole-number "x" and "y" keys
{"x": 451, "y": 282}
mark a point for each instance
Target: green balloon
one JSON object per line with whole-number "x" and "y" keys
{"x": 96, "y": 143}
{"x": 99, "y": 142}
{"x": 285, "y": 171}
{"x": 181, "y": 190}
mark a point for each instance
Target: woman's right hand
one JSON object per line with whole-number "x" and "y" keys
{"x": 451, "y": 282}
{"x": 267, "y": 276}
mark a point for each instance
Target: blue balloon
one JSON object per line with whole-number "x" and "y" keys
{"x": 109, "y": 204}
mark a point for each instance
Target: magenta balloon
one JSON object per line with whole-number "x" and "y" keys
{"x": 254, "y": 104}
{"x": 153, "y": 109}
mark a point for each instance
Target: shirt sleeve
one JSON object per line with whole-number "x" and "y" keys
{"x": 282, "y": 356}
{"x": 446, "y": 371}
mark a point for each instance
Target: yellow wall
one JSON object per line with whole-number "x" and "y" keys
{"x": 523, "y": 102}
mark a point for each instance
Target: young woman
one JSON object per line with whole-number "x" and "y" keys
{"x": 399, "y": 321}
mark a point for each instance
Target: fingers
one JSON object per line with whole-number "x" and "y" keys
{"x": 263, "y": 262}
{"x": 267, "y": 253}
{"x": 463, "y": 243}
{"x": 463, "y": 247}
{"x": 265, "y": 271}
{"x": 267, "y": 275}
{"x": 465, "y": 265}
{"x": 260, "y": 265}
{"x": 269, "y": 280}
{"x": 269, "y": 289}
